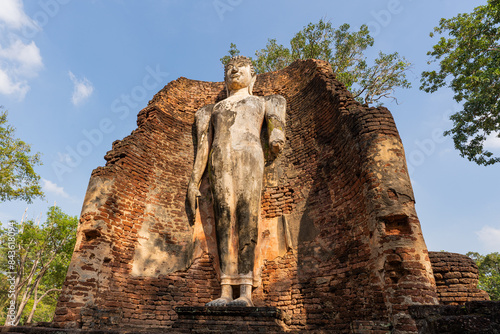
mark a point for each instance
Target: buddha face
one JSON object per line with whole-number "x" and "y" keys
{"x": 238, "y": 75}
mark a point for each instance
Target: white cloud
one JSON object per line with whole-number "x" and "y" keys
{"x": 490, "y": 238}
{"x": 19, "y": 60}
{"x": 53, "y": 188}
{"x": 12, "y": 14}
{"x": 26, "y": 56}
{"x": 492, "y": 141}
{"x": 9, "y": 87}
{"x": 82, "y": 90}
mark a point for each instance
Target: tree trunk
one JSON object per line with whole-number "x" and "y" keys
{"x": 35, "y": 295}
{"x": 36, "y": 301}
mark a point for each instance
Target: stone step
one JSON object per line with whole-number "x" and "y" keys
{"x": 229, "y": 320}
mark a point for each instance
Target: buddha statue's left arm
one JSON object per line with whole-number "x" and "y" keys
{"x": 275, "y": 118}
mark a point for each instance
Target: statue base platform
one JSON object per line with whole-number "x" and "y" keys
{"x": 204, "y": 319}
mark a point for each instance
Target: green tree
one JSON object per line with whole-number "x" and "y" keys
{"x": 489, "y": 273}
{"x": 469, "y": 63}
{"x": 233, "y": 52}
{"x": 37, "y": 262}
{"x": 18, "y": 179}
{"x": 344, "y": 50}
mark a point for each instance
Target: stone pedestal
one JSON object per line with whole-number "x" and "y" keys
{"x": 229, "y": 320}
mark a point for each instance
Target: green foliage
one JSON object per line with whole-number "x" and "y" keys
{"x": 348, "y": 61}
{"x": 313, "y": 41}
{"x": 489, "y": 273}
{"x": 233, "y": 52}
{"x": 274, "y": 57}
{"x": 470, "y": 56}
{"x": 380, "y": 80}
{"x": 18, "y": 179}
{"x": 344, "y": 50}
{"x": 42, "y": 254}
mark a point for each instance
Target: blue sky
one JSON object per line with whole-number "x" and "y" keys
{"x": 75, "y": 73}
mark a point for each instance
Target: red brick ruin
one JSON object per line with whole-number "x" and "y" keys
{"x": 340, "y": 243}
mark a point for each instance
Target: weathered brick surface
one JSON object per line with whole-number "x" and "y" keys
{"x": 354, "y": 256}
{"x": 477, "y": 317}
{"x": 456, "y": 278}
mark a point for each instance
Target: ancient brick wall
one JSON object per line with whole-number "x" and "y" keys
{"x": 456, "y": 278}
{"x": 475, "y": 317}
{"x": 340, "y": 242}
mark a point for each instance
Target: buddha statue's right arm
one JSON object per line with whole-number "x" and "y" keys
{"x": 203, "y": 138}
